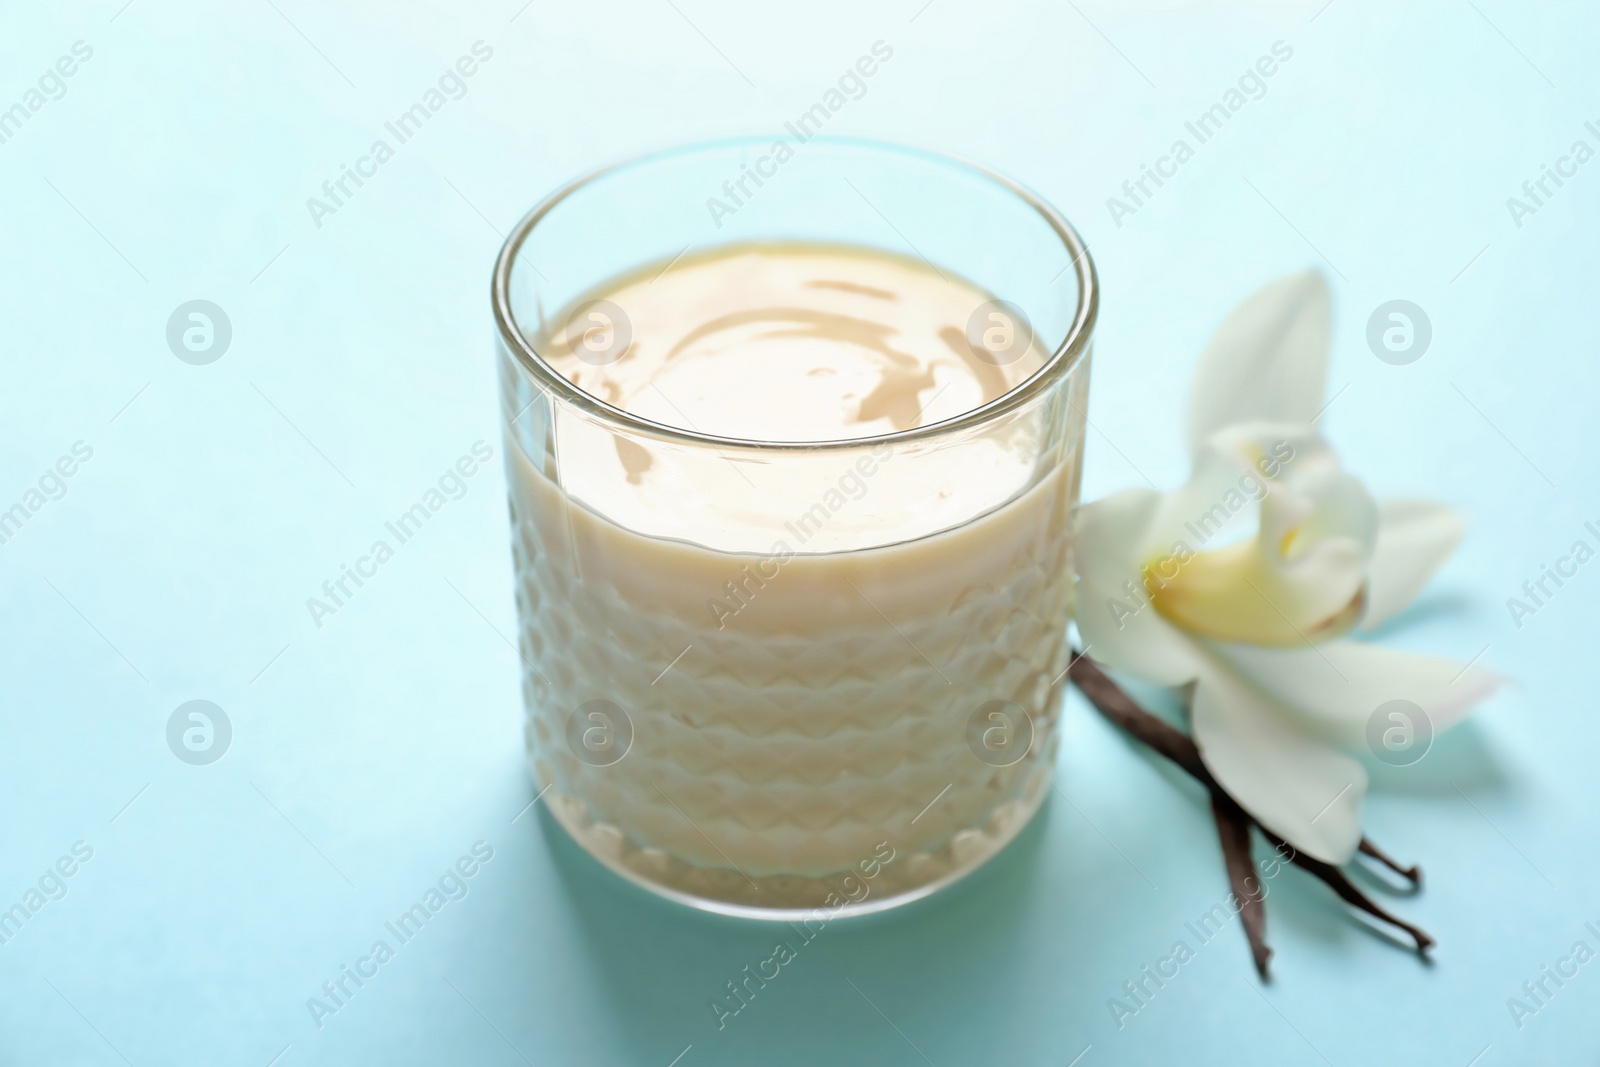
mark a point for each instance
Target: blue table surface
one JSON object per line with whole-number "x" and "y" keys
{"x": 368, "y": 755}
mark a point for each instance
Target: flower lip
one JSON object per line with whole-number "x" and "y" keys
{"x": 1298, "y": 577}
{"x": 1224, "y": 595}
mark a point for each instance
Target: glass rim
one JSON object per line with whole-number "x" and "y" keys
{"x": 1063, "y": 360}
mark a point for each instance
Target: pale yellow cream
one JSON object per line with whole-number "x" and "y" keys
{"x": 801, "y": 643}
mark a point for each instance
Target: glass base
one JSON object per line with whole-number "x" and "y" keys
{"x": 875, "y": 884}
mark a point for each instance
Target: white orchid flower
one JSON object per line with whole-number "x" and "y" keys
{"x": 1245, "y": 581}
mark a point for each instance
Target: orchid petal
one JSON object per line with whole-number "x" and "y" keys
{"x": 1268, "y": 361}
{"x": 1293, "y": 782}
{"x": 1335, "y": 689}
{"x": 1118, "y": 626}
{"x": 1233, "y": 471}
{"x": 1414, "y": 538}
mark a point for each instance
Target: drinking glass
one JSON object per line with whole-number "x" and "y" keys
{"x": 883, "y": 717}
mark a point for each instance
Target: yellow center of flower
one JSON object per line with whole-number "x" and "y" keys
{"x": 1239, "y": 594}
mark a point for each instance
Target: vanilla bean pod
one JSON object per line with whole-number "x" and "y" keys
{"x": 1412, "y": 874}
{"x": 1233, "y": 830}
{"x": 1109, "y": 699}
{"x": 1346, "y": 889}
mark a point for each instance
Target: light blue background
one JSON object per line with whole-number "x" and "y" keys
{"x": 370, "y": 754}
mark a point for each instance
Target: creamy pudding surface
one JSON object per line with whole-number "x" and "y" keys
{"x": 775, "y": 680}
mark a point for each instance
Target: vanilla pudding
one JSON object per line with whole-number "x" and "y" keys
{"x": 752, "y": 673}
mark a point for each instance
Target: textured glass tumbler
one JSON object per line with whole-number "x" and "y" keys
{"x": 882, "y": 719}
